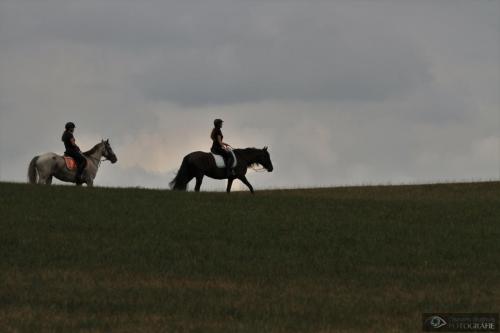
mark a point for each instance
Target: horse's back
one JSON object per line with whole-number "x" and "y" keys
{"x": 48, "y": 159}
{"x": 202, "y": 160}
{"x": 48, "y": 156}
{"x": 196, "y": 155}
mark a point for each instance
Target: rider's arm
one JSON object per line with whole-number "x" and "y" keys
{"x": 72, "y": 140}
{"x": 223, "y": 144}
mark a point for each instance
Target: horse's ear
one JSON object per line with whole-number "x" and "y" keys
{"x": 107, "y": 140}
{"x": 265, "y": 148}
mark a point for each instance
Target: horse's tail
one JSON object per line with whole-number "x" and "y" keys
{"x": 182, "y": 178}
{"x": 32, "y": 172}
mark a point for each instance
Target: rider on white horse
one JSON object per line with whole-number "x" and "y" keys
{"x": 74, "y": 151}
{"x": 221, "y": 148}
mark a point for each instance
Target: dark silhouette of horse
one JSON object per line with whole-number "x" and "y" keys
{"x": 199, "y": 164}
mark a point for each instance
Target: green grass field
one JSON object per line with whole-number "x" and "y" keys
{"x": 358, "y": 259}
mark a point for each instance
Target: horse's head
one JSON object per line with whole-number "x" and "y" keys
{"x": 108, "y": 152}
{"x": 264, "y": 159}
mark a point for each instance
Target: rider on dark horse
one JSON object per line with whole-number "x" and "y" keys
{"x": 74, "y": 151}
{"x": 221, "y": 148}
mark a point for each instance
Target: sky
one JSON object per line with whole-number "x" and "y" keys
{"x": 343, "y": 92}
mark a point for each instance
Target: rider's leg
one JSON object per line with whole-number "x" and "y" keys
{"x": 229, "y": 163}
{"x": 225, "y": 155}
{"x": 81, "y": 162}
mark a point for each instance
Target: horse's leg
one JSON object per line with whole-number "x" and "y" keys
{"x": 229, "y": 184}
{"x": 90, "y": 182}
{"x": 199, "y": 180}
{"x": 43, "y": 174}
{"x": 42, "y": 179}
{"x": 49, "y": 180}
{"x": 245, "y": 181}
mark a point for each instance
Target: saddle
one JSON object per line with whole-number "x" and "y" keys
{"x": 70, "y": 163}
{"x": 221, "y": 164}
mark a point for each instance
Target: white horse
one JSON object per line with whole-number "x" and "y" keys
{"x": 43, "y": 167}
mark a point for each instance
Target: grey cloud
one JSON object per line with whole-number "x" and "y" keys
{"x": 328, "y": 57}
{"x": 239, "y": 53}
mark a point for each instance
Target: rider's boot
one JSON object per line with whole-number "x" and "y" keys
{"x": 230, "y": 172}
{"x": 79, "y": 179}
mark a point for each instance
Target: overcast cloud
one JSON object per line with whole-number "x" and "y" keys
{"x": 343, "y": 92}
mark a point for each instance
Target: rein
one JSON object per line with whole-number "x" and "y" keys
{"x": 98, "y": 161}
{"x": 261, "y": 169}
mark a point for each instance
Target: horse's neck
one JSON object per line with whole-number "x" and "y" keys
{"x": 249, "y": 157}
{"x": 96, "y": 155}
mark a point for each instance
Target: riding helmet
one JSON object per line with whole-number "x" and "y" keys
{"x": 218, "y": 122}
{"x": 70, "y": 125}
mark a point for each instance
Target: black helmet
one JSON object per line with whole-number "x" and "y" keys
{"x": 218, "y": 122}
{"x": 69, "y": 125}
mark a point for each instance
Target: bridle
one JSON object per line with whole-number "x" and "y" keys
{"x": 100, "y": 160}
{"x": 261, "y": 169}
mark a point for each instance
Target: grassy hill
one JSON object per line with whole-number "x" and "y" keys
{"x": 359, "y": 259}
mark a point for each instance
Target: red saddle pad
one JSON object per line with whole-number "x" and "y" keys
{"x": 70, "y": 163}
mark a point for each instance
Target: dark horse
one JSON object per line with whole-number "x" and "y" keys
{"x": 200, "y": 164}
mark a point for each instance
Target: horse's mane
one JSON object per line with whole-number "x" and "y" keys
{"x": 92, "y": 150}
{"x": 248, "y": 150}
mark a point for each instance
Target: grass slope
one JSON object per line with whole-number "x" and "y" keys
{"x": 360, "y": 259}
